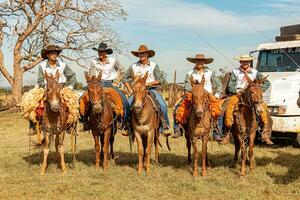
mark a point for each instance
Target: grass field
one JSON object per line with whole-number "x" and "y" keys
{"x": 276, "y": 173}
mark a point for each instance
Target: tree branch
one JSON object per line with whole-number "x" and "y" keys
{"x": 3, "y": 69}
{"x": 32, "y": 64}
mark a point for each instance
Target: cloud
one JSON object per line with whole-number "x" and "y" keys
{"x": 201, "y": 17}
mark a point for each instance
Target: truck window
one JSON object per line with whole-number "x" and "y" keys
{"x": 277, "y": 61}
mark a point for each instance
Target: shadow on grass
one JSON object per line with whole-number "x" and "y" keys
{"x": 36, "y": 158}
{"x": 287, "y": 160}
{"x": 87, "y": 157}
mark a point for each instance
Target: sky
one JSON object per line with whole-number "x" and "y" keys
{"x": 177, "y": 29}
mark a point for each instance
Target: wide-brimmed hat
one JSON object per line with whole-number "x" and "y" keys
{"x": 50, "y": 48}
{"x": 244, "y": 57}
{"x": 200, "y": 57}
{"x": 143, "y": 49}
{"x": 103, "y": 47}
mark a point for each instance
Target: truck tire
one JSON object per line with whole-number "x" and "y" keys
{"x": 296, "y": 141}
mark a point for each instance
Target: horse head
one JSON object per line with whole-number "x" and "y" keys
{"x": 95, "y": 91}
{"x": 199, "y": 96}
{"x": 253, "y": 92}
{"x": 140, "y": 92}
{"x": 52, "y": 93}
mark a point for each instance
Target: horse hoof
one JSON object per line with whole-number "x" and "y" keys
{"x": 42, "y": 172}
{"x": 64, "y": 169}
{"x": 195, "y": 174}
{"x": 204, "y": 174}
{"x": 140, "y": 170}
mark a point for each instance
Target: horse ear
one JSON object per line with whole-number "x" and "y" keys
{"x": 133, "y": 76}
{"x": 192, "y": 80}
{"x": 145, "y": 77}
{"x": 87, "y": 76}
{"x": 57, "y": 75}
{"x": 46, "y": 75}
{"x": 261, "y": 81}
{"x": 99, "y": 76}
{"x": 248, "y": 78}
{"x": 202, "y": 80}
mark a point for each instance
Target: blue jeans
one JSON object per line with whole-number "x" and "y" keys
{"x": 162, "y": 104}
{"x": 126, "y": 106}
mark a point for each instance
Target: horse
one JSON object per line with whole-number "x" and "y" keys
{"x": 199, "y": 124}
{"x": 102, "y": 120}
{"x": 246, "y": 124}
{"x": 54, "y": 121}
{"x": 145, "y": 123}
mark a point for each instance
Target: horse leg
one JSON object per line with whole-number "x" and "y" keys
{"x": 107, "y": 135}
{"x": 46, "y": 153}
{"x": 204, "y": 156}
{"x": 61, "y": 137}
{"x": 56, "y": 150}
{"x": 237, "y": 145}
{"x": 244, "y": 157}
{"x": 111, "y": 141}
{"x": 251, "y": 147}
{"x": 148, "y": 150}
{"x": 101, "y": 147}
{"x": 156, "y": 148}
{"x": 196, "y": 156}
{"x": 140, "y": 151}
{"x": 97, "y": 148}
{"x": 188, "y": 145}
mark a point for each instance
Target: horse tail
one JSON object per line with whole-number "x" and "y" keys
{"x": 39, "y": 145}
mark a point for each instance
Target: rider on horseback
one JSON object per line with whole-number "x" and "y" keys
{"x": 51, "y": 65}
{"x": 111, "y": 72}
{"x": 212, "y": 85}
{"x": 66, "y": 76}
{"x": 153, "y": 81}
{"x": 237, "y": 83}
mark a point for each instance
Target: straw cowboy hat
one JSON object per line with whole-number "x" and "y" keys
{"x": 200, "y": 57}
{"x": 244, "y": 57}
{"x": 143, "y": 49}
{"x": 103, "y": 47}
{"x": 50, "y": 48}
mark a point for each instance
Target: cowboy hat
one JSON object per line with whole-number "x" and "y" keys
{"x": 50, "y": 48}
{"x": 143, "y": 49}
{"x": 103, "y": 47}
{"x": 244, "y": 57}
{"x": 200, "y": 57}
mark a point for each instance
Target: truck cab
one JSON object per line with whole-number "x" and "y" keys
{"x": 280, "y": 61}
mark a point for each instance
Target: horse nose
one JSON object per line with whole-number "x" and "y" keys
{"x": 55, "y": 107}
{"x": 199, "y": 111}
{"x": 97, "y": 107}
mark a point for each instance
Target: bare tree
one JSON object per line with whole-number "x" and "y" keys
{"x": 75, "y": 25}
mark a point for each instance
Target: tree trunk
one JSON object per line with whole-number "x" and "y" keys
{"x": 17, "y": 85}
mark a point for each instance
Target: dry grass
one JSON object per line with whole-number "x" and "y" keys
{"x": 276, "y": 174}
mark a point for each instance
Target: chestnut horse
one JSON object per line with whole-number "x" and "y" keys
{"x": 101, "y": 116}
{"x": 199, "y": 124}
{"x": 54, "y": 120}
{"x": 145, "y": 123}
{"x": 246, "y": 123}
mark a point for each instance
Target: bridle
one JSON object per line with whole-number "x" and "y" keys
{"x": 97, "y": 116}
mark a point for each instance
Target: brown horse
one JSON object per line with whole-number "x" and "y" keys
{"x": 54, "y": 120}
{"x": 199, "y": 124}
{"x": 145, "y": 123}
{"x": 246, "y": 124}
{"x": 102, "y": 120}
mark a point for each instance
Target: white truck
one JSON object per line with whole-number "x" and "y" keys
{"x": 280, "y": 60}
